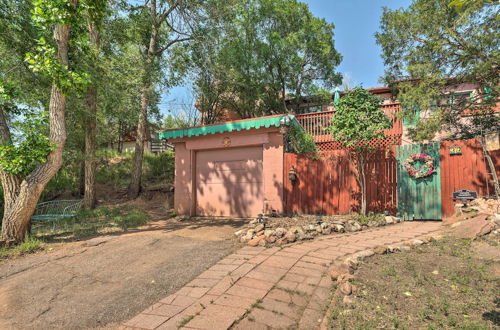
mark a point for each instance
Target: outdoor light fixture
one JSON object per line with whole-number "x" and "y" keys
{"x": 292, "y": 175}
{"x": 261, "y": 219}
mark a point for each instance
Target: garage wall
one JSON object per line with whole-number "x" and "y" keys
{"x": 185, "y": 165}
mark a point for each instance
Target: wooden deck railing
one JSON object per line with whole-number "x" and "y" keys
{"x": 315, "y": 123}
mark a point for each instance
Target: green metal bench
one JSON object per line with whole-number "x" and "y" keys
{"x": 60, "y": 209}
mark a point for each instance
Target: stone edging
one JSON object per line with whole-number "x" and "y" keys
{"x": 342, "y": 272}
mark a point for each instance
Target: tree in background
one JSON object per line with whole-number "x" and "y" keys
{"x": 30, "y": 161}
{"x": 162, "y": 26}
{"x": 94, "y": 25}
{"x": 267, "y": 53}
{"x": 433, "y": 46}
{"x": 359, "y": 119}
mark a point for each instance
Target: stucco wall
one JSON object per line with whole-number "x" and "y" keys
{"x": 271, "y": 141}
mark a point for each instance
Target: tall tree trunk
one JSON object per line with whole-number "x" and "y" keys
{"x": 135, "y": 183}
{"x": 142, "y": 129}
{"x": 89, "y": 196}
{"x": 491, "y": 166}
{"x": 21, "y": 196}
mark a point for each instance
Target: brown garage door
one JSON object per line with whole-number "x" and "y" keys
{"x": 229, "y": 182}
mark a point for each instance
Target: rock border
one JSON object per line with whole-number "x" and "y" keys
{"x": 256, "y": 234}
{"x": 343, "y": 271}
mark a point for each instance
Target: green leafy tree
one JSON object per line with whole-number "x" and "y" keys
{"x": 359, "y": 119}
{"x": 264, "y": 53}
{"x": 432, "y": 47}
{"x": 161, "y": 27}
{"x": 35, "y": 159}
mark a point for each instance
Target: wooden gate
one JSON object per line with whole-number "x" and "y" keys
{"x": 419, "y": 198}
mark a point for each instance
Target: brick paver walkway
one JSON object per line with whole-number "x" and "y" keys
{"x": 259, "y": 288}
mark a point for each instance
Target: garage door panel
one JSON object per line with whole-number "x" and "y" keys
{"x": 229, "y": 182}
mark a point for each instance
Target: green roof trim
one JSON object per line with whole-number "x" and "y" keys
{"x": 262, "y": 122}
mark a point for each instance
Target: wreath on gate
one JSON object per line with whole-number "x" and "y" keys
{"x": 423, "y": 172}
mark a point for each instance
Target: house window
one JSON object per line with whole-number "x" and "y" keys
{"x": 460, "y": 97}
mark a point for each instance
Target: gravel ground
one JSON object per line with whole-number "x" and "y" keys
{"x": 103, "y": 281}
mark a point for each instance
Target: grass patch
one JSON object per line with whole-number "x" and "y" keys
{"x": 90, "y": 223}
{"x": 442, "y": 285}
{"x": 29, "y": 245}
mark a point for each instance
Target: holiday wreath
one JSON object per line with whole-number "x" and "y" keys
{"x": 423, "y": 172}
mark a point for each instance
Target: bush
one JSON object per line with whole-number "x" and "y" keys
{"x": 364, "y": 219}
{"x": 159, "y": 167}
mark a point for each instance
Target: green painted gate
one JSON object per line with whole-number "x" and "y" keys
{"x": 419, "y": 198}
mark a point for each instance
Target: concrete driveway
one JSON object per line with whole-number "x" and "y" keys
{"x": 104, "y": 281}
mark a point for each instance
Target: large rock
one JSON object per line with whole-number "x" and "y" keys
{"x": 352, "y": 226}
{"x": 380, "y": 249}
{"x": 338, "y": 228}
{"x": 290, "y": 237}
{"x": 259, "y": 227}
{"x": 280, "y": 232}
{"x": 239, "y": 232}
{"x": 345, "y": 288}
{"x": 255, "y": 241}
{"x": 471, "y": 228}
{"x": 268, "y": 232}
{"x": 311, "y": 228}
{"x": 326, "y": 231}
{"x": 389, "y": 220}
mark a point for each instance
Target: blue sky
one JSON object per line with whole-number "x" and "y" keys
{"x": 356, "y": 22}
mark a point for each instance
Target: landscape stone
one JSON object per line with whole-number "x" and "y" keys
{"x": 345, "y": 288}
{"x": 380, "y": 249}
{"x": 255, "y": 241}
{"x": 280, "y": 232}
{"x": 268, "y": 232}
{"x": 259, "y": 227}
{"x": 326, "y": 231}
{"x": 290, "y": 237}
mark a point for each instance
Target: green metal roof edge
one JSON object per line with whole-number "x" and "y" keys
{"x": 230, "y": 127}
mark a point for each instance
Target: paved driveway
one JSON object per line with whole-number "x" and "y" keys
{"x": 258, "y": 288}
{"x": 102, "y": 282}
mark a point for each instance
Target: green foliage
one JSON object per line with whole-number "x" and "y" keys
{"x": 364, "y": 219}
{"x": 358, "y": 119}
{"x": 431, "y": 48}
{"x": 299, "y": 141}
{"x": 130, "y": 219}
{"x": 29, "y": 245}
{"x": 159, "y": 167}
{"x": 264, "y": 50}
{"x": 31, "y": 149}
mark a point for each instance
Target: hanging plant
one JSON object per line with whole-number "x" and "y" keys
{"x": 425, "y": 171}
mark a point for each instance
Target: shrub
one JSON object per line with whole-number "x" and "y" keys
{"x": 159, "y": 167}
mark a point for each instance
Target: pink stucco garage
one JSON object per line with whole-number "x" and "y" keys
{"x": 229, "y": 169}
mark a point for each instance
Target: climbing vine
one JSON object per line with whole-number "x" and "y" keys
{"x": 300, "y": 141}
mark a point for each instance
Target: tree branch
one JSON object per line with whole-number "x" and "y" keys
{"x": 171, "y": 43}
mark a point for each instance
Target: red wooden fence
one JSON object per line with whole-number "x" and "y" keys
{"x": 466, "y": 171}
{"x": 328, "y": 186}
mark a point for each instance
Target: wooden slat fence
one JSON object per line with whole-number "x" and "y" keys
{"x": 329, "y": 186}
{"x": 466, "y": 171}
